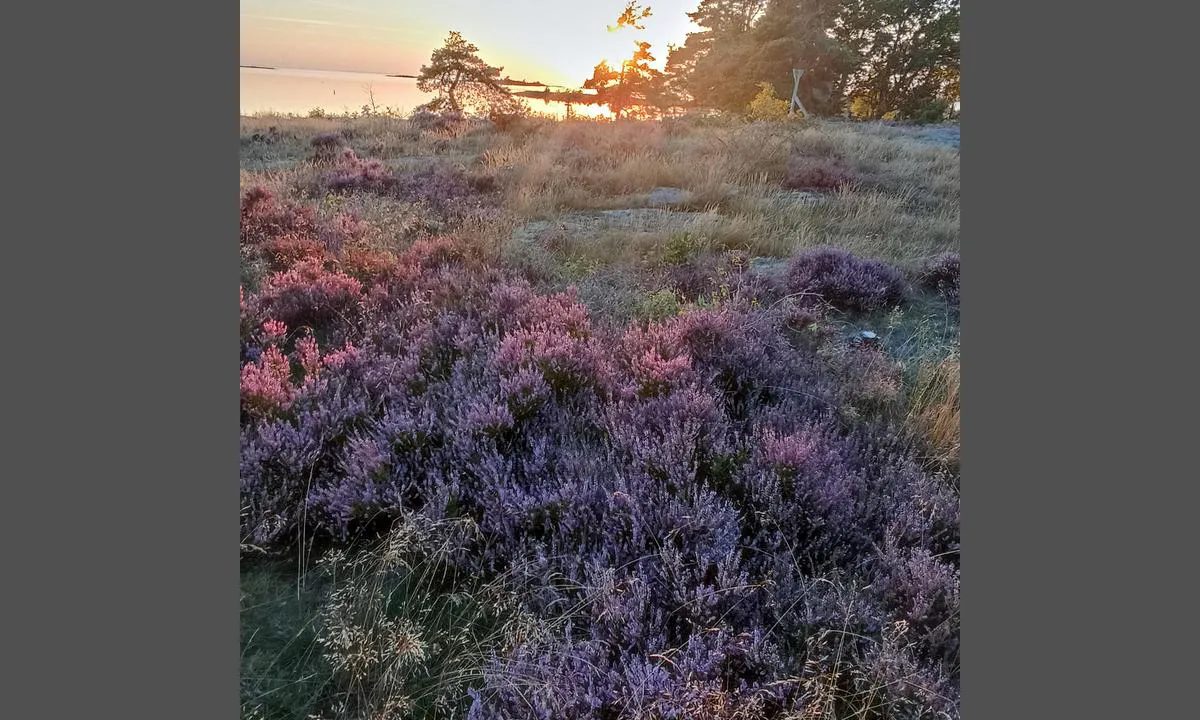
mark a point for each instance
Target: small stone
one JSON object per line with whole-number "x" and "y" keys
{"x": 866, "y": 337}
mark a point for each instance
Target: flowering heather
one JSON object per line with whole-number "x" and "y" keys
{"x": 289, "y": 249}
{"x": 845, "y": 281}
{"x": 365, "y": 264}
{"x": 308, "y": 294}
{"x": 680, "y": 503}
{"x": 353, "y": 174}
{"x": 285, "y": 234}
{"x": 263, "y": 217}
{"x": 444, "y": 189}
{"x": 266, "y": 384}
{"x": 309, "y": 356}
{"x": 274, "y": 331}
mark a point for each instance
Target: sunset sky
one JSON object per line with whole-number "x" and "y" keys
{"x": 551, "y": 41}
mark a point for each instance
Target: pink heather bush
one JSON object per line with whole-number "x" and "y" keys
{"x": 567, "y": 363}
{"x": 448, "y": 192}
{"x": 656, "y": 374}
{"x": 266, "y": 383}
{"x": 788, "y": 452}
{"x": 274, "y": 332}
{"x": 308, "y": 294}
{"x": 264, "y": 218}
{"x": 656, "y": 359}
{"x": 287, "y": 234}
{"x": 337, "y": 359}
{"x": 353, "y": 174}
{"x": 287, "y": 250}
{"x": 309, "y": 356}
{"x": 365, "y": 264}
{"x": 431, "y": 252}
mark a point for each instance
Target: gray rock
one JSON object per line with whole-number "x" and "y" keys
{"x": 665, "y": 196}
{"x": 806, "y": 197}
{"x": 768, "y": 265}
{"x": 866, "y": 337}
{"x": 594, "y": 223}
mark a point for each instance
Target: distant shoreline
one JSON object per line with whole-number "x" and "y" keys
{"x": 257, "y": 67}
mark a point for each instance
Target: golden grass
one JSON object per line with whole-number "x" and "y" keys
{"x": 934, "y": 412}
{"x": 904, "y": 209}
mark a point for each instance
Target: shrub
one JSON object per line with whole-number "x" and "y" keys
{"x": 845, "y": 281}
{"x": 449, "y": 192}
{"x": 266, "y": 384}
{"x": 926, "y": 110}
{"x": 681, "y": 247}
{"x": 308, "y": 294}
{"x": 805, "y": 172}
{"x": 659, "y": 305}
{"x": 677, "y": 507}
{"x": 940, "y": 275}
{"x": 263, "y": 217}
{"x": 289, "y": 249}
{"x": 327, "y": 148}
{"x": 425, "y": 119}
{"x": 353, "y": 174}
{"x": 766, "y": 105}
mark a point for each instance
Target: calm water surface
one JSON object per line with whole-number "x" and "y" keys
{"x": 291, "y": 91}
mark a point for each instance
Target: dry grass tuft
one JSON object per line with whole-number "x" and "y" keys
{"x": 934, "y": 412}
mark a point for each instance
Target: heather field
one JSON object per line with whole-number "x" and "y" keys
{"x": 592, "y": 419}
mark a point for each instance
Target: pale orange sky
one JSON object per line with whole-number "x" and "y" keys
{"x": 557, "y": 42}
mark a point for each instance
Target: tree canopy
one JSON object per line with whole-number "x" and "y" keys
{"x": 872, "y": 58}
{"x": 897, "y": 57}
{"x": 634, "y": 87}
{"x": 910, "y": 52}
{"x": 462, "y": 80}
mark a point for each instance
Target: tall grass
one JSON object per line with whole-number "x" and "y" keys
{"x": 935, "y": 414}
{"x": 386, "y": 630}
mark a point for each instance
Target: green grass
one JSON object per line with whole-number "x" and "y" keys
{"x": 282, "y": 672}
{"x": 385, "y": 630}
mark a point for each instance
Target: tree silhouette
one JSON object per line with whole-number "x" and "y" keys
{"x": 463, "y": 80}
{"x": 633, "y": 87}
{"x": 631, "y": 16}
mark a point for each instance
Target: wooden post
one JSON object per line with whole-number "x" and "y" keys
{"x": 796, "y": 73}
